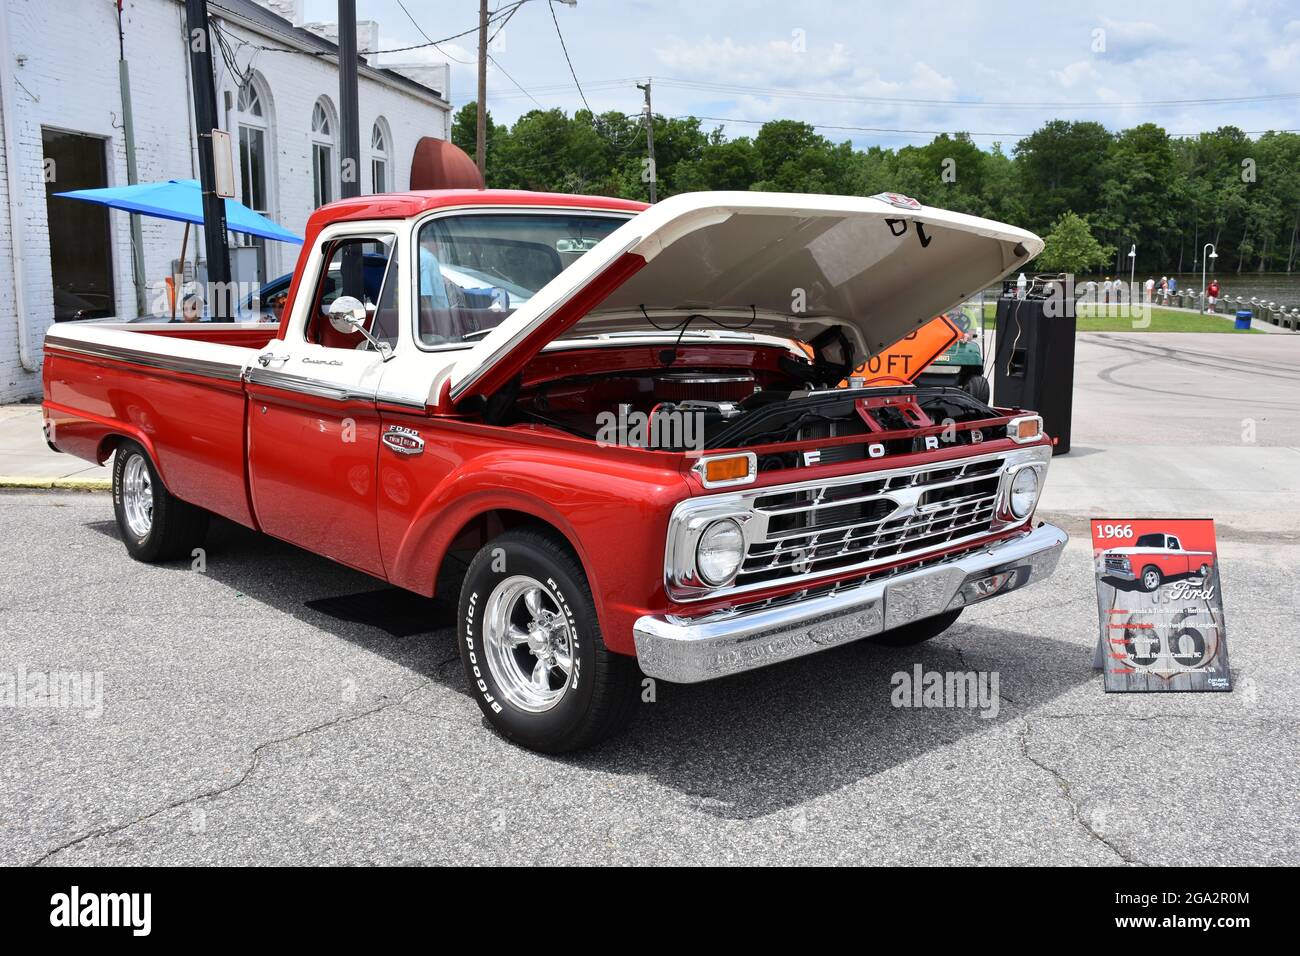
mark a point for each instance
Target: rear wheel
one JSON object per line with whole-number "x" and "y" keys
{"x": 532, "y": 648}
{"x": 918, "y": 631}
{"x": 155, "y": 524}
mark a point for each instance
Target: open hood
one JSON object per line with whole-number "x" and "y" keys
{"x": 784, "y": 264}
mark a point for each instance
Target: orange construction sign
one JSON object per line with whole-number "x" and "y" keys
{"x": 907, "y": 358}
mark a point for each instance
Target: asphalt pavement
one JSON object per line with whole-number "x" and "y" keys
{"x": 222, "y": 718}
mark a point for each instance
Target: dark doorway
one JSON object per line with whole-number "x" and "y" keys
{"x": 81, "y": 255}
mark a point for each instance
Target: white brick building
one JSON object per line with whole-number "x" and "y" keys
{"x": 61, "y": 91}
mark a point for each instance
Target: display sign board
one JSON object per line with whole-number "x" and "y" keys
{"x": 1160, "y": 605}
{"x": 903, "y": 361}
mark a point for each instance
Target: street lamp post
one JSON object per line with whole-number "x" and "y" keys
{"x": 1214, "y": 254}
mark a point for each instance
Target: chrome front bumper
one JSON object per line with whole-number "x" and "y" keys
{"x": 688, "y": 650}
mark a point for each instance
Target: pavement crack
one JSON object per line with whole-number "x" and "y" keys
{"x": 1066, "y": 791}
{"x": 254, "y": 763}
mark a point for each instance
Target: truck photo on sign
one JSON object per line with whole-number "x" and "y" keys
{"x": 1160, "y": 605}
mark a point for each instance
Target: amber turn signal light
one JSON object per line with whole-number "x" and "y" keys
{"x": 1025, "y": 429}
{"x": 727, "y": 470}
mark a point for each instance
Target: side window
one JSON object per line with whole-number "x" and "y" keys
{"x": 360, "y": 267}
{"x": 1173, "y": 544}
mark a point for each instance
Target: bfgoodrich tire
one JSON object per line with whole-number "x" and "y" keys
{"x": 532, "y": 648}
{"x": 918, "y": 631}
{"x": 155, "y": 524}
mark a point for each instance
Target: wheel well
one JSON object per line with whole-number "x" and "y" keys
{"x": 481, "y": 529}
{"x": 107, "y": 445}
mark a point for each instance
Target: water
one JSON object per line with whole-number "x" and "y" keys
{"x": 1280, "y": 287}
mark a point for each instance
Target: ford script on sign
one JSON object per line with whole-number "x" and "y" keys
{"x": 437, "y": 387}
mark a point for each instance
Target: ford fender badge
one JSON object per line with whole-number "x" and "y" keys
{"x": 404, "y": 441}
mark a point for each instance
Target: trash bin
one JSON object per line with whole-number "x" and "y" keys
{"x": 1243, "y": 318}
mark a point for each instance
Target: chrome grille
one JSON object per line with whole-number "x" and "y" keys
{"x": 822, "y": 590}
{"x": 827, "y": 528}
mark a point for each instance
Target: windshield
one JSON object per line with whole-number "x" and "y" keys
{"x": 1151, "y": 541}
{"x": 476, "y": 269}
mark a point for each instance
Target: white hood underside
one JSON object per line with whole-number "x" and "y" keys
{"x": 791, "y": 265}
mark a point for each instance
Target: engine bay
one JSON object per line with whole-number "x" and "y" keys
{"x": 701, "y": 408}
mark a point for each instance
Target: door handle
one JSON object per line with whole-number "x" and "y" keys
{"x": 266, "y": 358}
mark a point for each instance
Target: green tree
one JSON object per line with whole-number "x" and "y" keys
{"x": 1059, "y": 164}
{"x": 1071, "y": 247}
{"x": 1139, "y": 185}
{"x": 464, "y": 128}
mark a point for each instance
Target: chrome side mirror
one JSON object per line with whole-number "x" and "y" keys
{"x": 347, "y": 315}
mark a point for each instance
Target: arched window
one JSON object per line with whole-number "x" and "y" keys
{"x": 254, "y": 120}
{"x": 379, "y": 157}
{"x": 323, "y": 126}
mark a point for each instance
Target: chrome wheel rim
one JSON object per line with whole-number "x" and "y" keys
{"x": 1151, "y": 580}
{"x": 137, "y": 496}
{"x": 529, "y": 644}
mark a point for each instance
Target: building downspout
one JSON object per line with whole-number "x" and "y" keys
{"x": 13, "y": 191}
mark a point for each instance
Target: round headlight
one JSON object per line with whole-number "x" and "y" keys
{"x": 720, "y": 551}
{"x": 1024, "y": 491}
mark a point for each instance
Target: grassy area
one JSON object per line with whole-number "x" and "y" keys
{"x": 1162, "y": 320}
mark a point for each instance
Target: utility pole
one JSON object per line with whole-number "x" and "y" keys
{"x": 205, "y": 121}
{"x": 648, "y": 111}
{"x": 350, "y": 161}
{"x": 480, "y": 141}
{"x": 132, "y": 176}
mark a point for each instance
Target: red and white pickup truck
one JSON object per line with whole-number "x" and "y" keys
{"x": 626, "y": 418}
{"x": 1155, "y": 558}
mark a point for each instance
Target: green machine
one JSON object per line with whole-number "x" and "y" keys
{"x": 962, "y": 364}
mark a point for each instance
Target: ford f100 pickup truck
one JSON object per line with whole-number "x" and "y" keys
{"x": 1155, "y": 558}
{"x": 630, "y": 421}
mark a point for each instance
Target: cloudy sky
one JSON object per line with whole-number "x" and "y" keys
{"x": 879, "y": 73}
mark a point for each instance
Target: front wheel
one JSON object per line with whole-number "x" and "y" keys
{"x": 155, "y": 524}
{"x": 1151, "y": 578}
{"x": 918, "y": 631}
{"x": 532, "y": 648}
{"x": 977, "y": 386}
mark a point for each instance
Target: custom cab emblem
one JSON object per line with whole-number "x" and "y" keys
{"x": 404, "y": 441}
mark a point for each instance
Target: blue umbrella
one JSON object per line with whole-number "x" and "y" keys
{"x": 182, "y": 201}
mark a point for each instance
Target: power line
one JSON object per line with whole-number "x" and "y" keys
{"x": 504, "y": 11}
{"x": 556, "y": 20}
{"x": 429, "y": 38}
{"x": 858, "y": 129}
{"x": 709, "y": 86}
{"x": 931, "y": 132}
{"x": 971, "y": 104}
{"x": 514, "y": 81}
